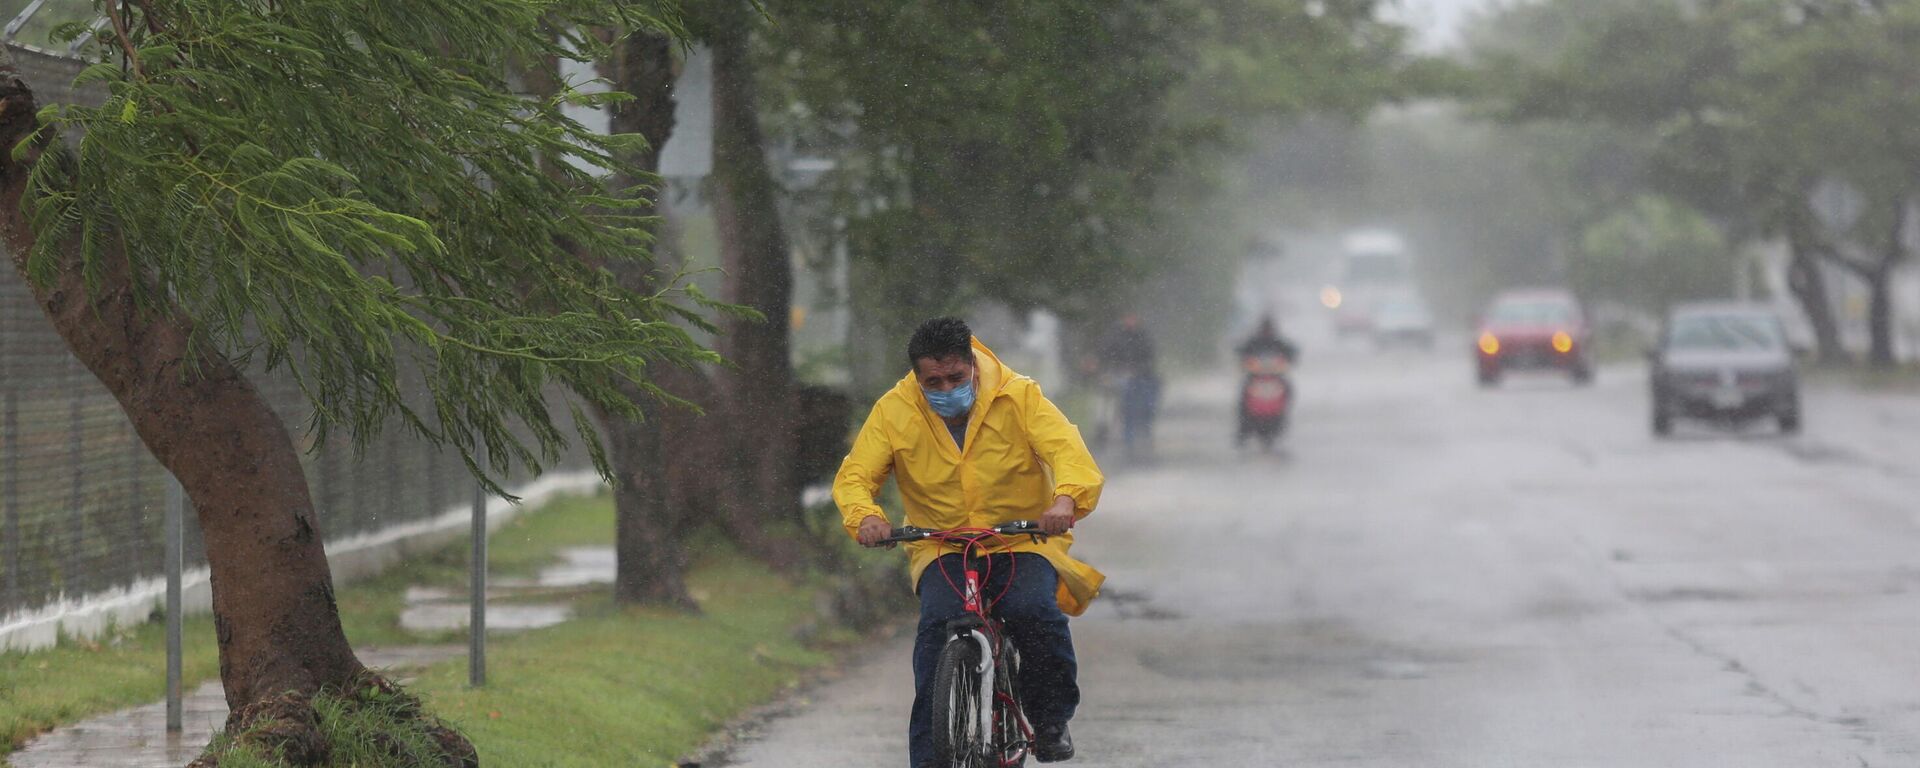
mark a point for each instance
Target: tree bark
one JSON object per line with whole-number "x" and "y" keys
{"x": 275, "y": 618}
{"x": 651, "y": 524}
{"x": 1876, "y": 271}
{"x": 761, "y": 492}
{"x": 650, "y": 532}
{"x": 1809, "y": 286}
{"x": 1879, "y": 317}
{"x": 1879, "y": 278}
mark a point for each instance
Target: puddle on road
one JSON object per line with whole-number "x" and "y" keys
{"x": 1327, "y": 652}
{"x": 1688, "y": 595}
{"x": 1395, "y": 669}
{"x": 1265, "y": 665}
{"x": 512, "y": 604}
{"x": 1820, "y": 453}
{"x": 1825, "y": 454}
{"x": 1136, "y": 605}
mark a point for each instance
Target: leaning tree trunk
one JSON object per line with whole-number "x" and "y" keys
{"x": 1809, "y": 286}
{"x": 1879, "y": 316}
{"x": 1879, "y": 279}
{"x": 650, "y": 529}
{"x": 760, "y": 490}
{"x": 275, "y": 619}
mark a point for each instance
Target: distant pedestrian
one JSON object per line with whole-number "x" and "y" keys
{"x": 1128, "y": 355}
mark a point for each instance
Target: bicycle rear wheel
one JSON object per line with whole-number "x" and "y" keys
{"x": 955, "y": 713}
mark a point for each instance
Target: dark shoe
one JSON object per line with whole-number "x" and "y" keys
{"x": 1051, "y": 743}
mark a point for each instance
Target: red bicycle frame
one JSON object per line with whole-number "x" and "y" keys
{"x": 995, "y": 703}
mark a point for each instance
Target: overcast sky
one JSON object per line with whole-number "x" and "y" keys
{"x": 1438, "y": 21}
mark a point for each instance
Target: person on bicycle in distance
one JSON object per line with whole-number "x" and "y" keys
{"x": 972, "y": 444}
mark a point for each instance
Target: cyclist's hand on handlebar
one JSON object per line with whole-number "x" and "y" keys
{"x": 1059, "y": 517}
{"x": 874, "y": 531}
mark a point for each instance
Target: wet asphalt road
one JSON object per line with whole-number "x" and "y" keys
{"x": 1433, "y": 575}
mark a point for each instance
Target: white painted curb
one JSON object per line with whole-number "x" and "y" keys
{"x": 350, "y": 559}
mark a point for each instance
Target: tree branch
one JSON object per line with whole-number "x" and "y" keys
{"x": 147, "y": 15}
{"x": 120, "y": 34}
{"x": 1896, "y": 251}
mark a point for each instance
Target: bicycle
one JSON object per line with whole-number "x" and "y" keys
{"x": 977, "y": 717}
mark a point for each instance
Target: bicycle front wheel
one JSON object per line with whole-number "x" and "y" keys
{"x": 957, "y": 735}
{"x": 1012, "y": 736}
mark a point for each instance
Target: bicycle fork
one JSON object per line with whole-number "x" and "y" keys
{"x": 986, "y": 669}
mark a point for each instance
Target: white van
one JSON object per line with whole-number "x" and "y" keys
{"x": 1373, "y": 266}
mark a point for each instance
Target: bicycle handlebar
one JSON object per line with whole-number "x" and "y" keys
{"x": 907, "y": 533}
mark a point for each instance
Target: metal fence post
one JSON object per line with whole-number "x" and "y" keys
{"x": 176, "y": 557}
{"x": 433, "y": 485}
{"x": 329, "y": 510}
{"x": 79, "y": 562}
{"x": 397, "y": 487}
{"x": 10, "y": 444}
{"x": 356, "y": 482}
{"x": 12, "y": 523}
{"x": 477, "y": 584}
{"x": 136, "y": 488}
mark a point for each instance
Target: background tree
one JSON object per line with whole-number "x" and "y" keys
{"x": 653, "y": 513}
{"x": 1256, "y": 69}
{"x": 1830, "y": 90}
{"x": 759, "y": 491}
{"x": 330, "y": 188}
{"x": 1652, "y": 254}
{"x": 1052, "y": 155}
{"x": 997, "y": 152}
{"x": 1748, "y": 107}
{"x": 1627, "y": 84}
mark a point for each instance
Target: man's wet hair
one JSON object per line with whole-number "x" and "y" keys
{"x": 939, "y": 339}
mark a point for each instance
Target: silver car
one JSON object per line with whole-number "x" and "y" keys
{"x": 1726, "y": 363}
{"x": 1402, "y": 320}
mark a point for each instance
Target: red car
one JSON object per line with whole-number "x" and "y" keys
{"x": 1540, "y": 329}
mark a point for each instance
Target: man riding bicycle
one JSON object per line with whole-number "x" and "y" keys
{"x": 973, "y": 444}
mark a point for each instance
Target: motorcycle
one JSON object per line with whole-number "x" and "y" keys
{"x": 1266, "y": 398}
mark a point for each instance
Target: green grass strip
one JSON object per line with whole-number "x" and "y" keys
{"x": 624, "y": 686}
{"x": 615, "y": 686}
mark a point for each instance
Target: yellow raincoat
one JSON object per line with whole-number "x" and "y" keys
{"x": 1020, "y": 453}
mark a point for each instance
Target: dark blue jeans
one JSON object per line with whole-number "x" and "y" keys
{"x": 1139, "y": 399}
{"x": 1033, "y": 619}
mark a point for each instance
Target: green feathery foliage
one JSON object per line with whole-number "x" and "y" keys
{"x": 351, "y": 189}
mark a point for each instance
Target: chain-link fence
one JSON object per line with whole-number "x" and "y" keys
{"x": 81, "y": 499}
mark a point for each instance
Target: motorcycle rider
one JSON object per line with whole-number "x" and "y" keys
{"x": 1265, "y": 341}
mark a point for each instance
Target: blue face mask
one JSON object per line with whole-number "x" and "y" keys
{"x": 950, "y": 403}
